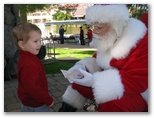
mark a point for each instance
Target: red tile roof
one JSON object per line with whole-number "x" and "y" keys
{"x": 80, "y": 11}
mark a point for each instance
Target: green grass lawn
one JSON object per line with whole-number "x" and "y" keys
{"x": 55, "y": 66}
{"x": 80, "y": 54}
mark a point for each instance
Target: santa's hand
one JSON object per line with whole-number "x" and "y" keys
{"x": 87, "y": 80}
{"x": 76, "y": 67}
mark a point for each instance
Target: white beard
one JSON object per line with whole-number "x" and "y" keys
{"x": 104, "y": 43}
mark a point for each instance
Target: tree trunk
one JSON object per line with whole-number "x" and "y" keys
{"x": 23, "y": 14}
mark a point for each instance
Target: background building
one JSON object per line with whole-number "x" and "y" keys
{"x": 41, "y": 17}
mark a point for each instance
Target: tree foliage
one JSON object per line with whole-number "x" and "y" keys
{"x": 29, "y": 8}
{"x": 61, "y": 16}
{"x": 136, "y": 10}
{"x": 63, "y": 12}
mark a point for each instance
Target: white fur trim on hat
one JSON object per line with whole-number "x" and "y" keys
{"x": 106, "y": 13}
{"x": 133, "y": 33}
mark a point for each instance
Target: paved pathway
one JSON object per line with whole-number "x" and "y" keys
{"x": 57, "y": 85}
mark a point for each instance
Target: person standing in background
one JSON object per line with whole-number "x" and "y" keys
{"x": 89, "y": 35}
{"x": 82, "y": 36}
{"x": 61, "y": 34}
{"x": 51, "y": 37}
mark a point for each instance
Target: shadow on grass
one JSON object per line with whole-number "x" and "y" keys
{"x": 84, "y": 52}
{"x": 55, "y": 66}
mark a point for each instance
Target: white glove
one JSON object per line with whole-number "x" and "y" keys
{"x": 73, "y": 72}
{"x": 87, "y": 80}
{"x": 77, "y": 67}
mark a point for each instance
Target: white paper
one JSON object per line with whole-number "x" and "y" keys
{"x": 72, "y": 74}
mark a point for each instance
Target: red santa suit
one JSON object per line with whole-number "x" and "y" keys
{"x": 122, "y": 85}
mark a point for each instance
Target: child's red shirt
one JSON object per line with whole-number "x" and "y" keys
{"x": 32, "y": 82}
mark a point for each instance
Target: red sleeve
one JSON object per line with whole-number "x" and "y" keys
{"x": 83, "y": 90}
{"x": 94, "y": 55}
{"x": 134, "y": 73}
{"x": 33, "y": 85}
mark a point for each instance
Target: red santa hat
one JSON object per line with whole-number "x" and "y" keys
{"x": 115, "y": 14}
{"x": 144, "y": 19}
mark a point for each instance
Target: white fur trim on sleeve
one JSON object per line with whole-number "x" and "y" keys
{"x": 107, "y": 86}
{"x": 73, "y": 98}
{"x": 145, "y": 95}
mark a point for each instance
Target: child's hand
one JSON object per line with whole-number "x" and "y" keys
{"x": 51, "y": 104}
{"x": 49, "y": 93}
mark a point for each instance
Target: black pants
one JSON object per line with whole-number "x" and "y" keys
{"x": 82, "y": 42}
{"x": 61, "y": 40}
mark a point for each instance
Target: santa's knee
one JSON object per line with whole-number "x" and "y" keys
{"x": 120, "y": 106}
{"x": 73, "y": 98}
{"x": 110, "y": 106}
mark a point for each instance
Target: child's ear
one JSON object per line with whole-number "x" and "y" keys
{"x": 21, "y": 44}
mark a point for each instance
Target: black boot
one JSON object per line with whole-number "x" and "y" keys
{"x": 66, "y": 108}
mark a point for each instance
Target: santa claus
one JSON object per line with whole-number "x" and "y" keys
{"x": 116, "y": 77}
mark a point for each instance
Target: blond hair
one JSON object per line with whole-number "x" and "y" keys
{"x": 21, "y": 32}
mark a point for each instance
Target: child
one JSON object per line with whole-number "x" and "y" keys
{"x": 32, "y": 82}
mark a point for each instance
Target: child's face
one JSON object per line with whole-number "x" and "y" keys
{"x": 33, "y": 45}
